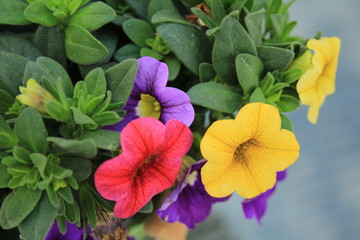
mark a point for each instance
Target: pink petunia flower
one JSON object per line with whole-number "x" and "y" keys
{"x": 149, "y": 164}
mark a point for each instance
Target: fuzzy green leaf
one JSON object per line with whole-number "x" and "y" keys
{"x": 248, "y": 69}
{"x": 82, "y": 47}
{"x": 158, "y": 5}
{"x": 169, "y": 16}
{"x": 21, "y": 205}
{"x": 206, "y": 72}
{"x": 217, "y": 11}
{"x": 188, "y": 44}
{"x": 38, "y": 12}
{"x": 257, "y": 96}
{"x": 6, "y": 101}
{"x": 4, "y": 177}
{"x": 253, "y": 22}
{"x": 96, "y": 82}
{"x": 138, "y": 31}
{"x": 286, "y": 123}
{"x": 88, "y": 205}
{"x": 107, "y": 140}
{"x": 57, "y": 111}
{"x": 80, "y": 167}
{"x": 216, "y": 96}
{"x": 83, "y": 148}
{"x": 12, "y": 12}
{"x": 275, "y": 58}
{"x": 38, "y": 223}
{"x": 148, "y": 208}
{"x": 15, "y": 44}
{"x": 50, "y": 42}
{"x": 30, "y": 129}
{"x": 7, "y": 136}
{"x": 93, "y": 16}
{"x": 81, "y": 118}
{"x": 231, "y": 40}
{"x": 120, "y": 79}
{"x": 288, "y": 103}
{"x": 127, "y": 51}
{"x": 174, "y": 66}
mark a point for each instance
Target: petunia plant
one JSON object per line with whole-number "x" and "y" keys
{"x": 124, "y": 119}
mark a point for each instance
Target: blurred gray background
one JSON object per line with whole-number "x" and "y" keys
{"x": 320, "y": 200}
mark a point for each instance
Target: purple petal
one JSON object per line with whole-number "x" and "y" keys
{"x": 188, "y": 203}
{"x": 151, "y": 76}
{"x": 175, "y": 104}
{"x": 72, "y": 233}
{"x": 280, "y": 176}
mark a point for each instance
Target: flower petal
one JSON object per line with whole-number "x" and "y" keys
{"x": 175, "y": 104}
{"x": 151, "y": 77}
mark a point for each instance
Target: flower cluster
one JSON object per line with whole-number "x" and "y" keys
{"x": 137, "y": 121}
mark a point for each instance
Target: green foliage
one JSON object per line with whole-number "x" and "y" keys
{"x": 107, "y": 140}
{"x": 12, "y": 12}
{"x": 188, "y": 44}
{"x": 7, "y": 136}
{"x": 231, "y": 40}
{"x": 38, "y": 12}
{"x": 275, "y": 58}
{"x": 82, "y": 148}
{"x": 216, "y": 96}
{"x": 82, "y": 47}
{"x": 138, "y": 31}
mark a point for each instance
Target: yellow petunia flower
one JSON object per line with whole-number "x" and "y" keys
{"x": 245, "y": 153}
{"x": 319, "y": 82}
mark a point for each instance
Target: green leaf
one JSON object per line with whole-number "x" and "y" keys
{"x": 88, "y": 205}
{"x": 12, "y": 12}
{"x": 204, "y": 18}
{"x": 31, "y": 131}
{"x": 107, "y": 140}
{"x": 38, "y": 223}
{"x": 169, "y": 16}
{"x": 231, "y": 40}
{"x": 253, "y": 22}
{"x": 138, "y": 31}
{"x": 50, "y": 41}
{"x": 21, "y": 155}
{"x": 174, "y": 66}
{"x": 216, "y": 96}
{"x": 6, "y": 101}
{"x": 120, "y": 79}
{"x": 148, "y": 208}
{"x": 5, "y": 177}
{"x": 158, "y": 5}
{"x": 83, "y": 148}
{"x": 288, "y": 103}
{"x": 151, "y": 53}
{"x": 217, "y": 11}
{"x": 12, "y": 68}
{"x": 38, "y": 12}
{"x": 275, "y": 58}
{"x": 206, "y": 72}
{"x": 286, "y": 123}
{"x": 81, "y": 118}
{"x": 127, "y": 51}
{"x": 53, "y": 197}
{"x": 257, "y": 96}
{"x": 3, "y": 221}
{"x": 82, "y": 47}
{"x": 275, "y": 88}
{"x": 93, "y": 16}
{"x": 248, "y": 69}
{"x": 106, "y": 118}
{"x": 81, "y": 167}
{"x": 140, "y": 7}
{"x": 96, "y": 82}
{"x": 61, "y": 221}
{"x": 53, "y": 71}
{"x": 20, "y": 205}
{"x": 40, "y": 161}
{"x": 267, "y": 83}
{"x": 7, "y": 136}
{"x": 15, "y": 44}
{"x": 57, "y": 111}
{"x": 66, "y": 194}
{"x": 72, "y": 213}
{"x": 278, "y": 23}
{"x": 188, "y": 44}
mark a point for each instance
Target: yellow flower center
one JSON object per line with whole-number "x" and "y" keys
{"x": 192, "y": 178}
{"x": 148, "y": 107}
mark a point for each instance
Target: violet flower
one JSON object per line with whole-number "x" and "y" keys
{"x": 189, "y": 203}
{"x": 72, "y": 233}
{"x": 151, "y": 98}
{"x": 256, "y": 207}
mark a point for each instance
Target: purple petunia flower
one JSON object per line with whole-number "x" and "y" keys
{"x": 189, "y": 203}
{"x": 151, "y": 98}
{"x": 256, "y": 207}
{"x": 72, "y": 233}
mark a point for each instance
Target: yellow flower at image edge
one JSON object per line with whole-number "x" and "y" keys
{"x": 319, "y": 82}
{"x": 245, "y": 153}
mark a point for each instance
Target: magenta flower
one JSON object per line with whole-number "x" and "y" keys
{"x": 151, "y": 98}
{"x": 72, "y": 233}
{"x": 189, "y": 203}
{"x": 256, "y": 207}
